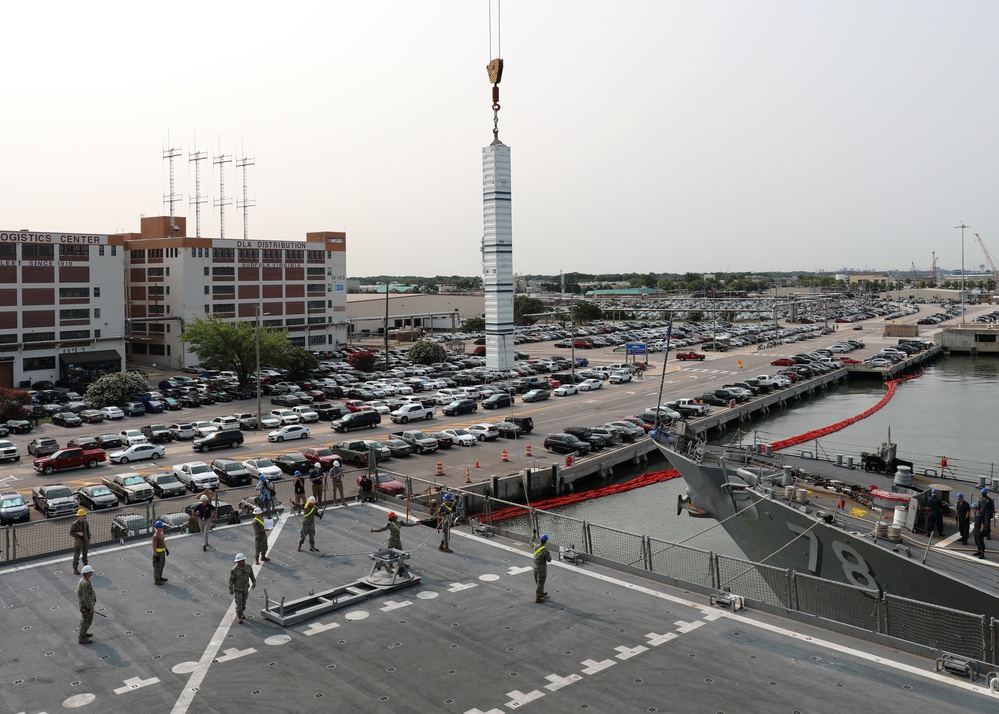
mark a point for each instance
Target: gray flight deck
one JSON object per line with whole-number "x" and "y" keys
{"x": 468, "y": 638}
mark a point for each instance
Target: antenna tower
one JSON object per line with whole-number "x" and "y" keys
{"x": 221, "y": 160}
{"x": 197, "y": 200}
{"x": 245, "y": 204}
{"x": 171, "y": 198}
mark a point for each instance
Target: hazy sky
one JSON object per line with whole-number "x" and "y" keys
{"x": 645, "y": 135}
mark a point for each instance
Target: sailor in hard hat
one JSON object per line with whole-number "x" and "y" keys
{"x": 204, "y": 511}
{"x": 88, "y": 600}
{"x": 336, "y": 483}
{"x": 298, "y": 491}
{"x": 541, "y": 560}
{"x": 265, "y": 499}
{"x": 394, "y": 527}
{"x": 259, "y": 536}
{"x": 979, "y": 529}
{"x": 309, "y": 525}
{"x": 445, "y": 517}
{"x": 160, "y": 553}
{"x": 988, "y": 508}
{"x": 934, "y": 515}
{"x": 962, "y": 511}
{"x": 80, "y": 533}
{"x": 241, "y": 581}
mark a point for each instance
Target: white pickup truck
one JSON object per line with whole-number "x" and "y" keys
{"x": 409, "y": 412}
{"x": 691, "y": 406}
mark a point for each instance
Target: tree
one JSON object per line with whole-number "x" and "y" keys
{"x": 12, "y": 403}
{"x": 584, "y": 312}
{"x": 426, "y": 352}
{"x": 299, "y": 362}
{"x": 362, "y": 361}
{"x": 233, "y": 345}
{"x": 115, "y": 389}
{"x": 523, "y": 306}
{"x": 695, "y": 316}
{"x": 474, "y": 324}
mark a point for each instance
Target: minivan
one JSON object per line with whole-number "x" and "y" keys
{"x": 230, "y": 438}
{"x": 356, "y": 420}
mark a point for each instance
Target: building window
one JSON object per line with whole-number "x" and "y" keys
{"x": 316, "y": 304}
{"x": 207, "y": 309}
{"x": 223, "y": 289}
{"x": 114, "y": 251}
{"x": 46, "y": 251}
{"x": 97, "y": 334}
{"x": 206, "y": 290}
{"x": 97, "y": 313}
{"x": 224, "y": 307}
{"x": 39, "y": 337}
{"x": 8, "y": 249}
{"x": 155, "y": 310}
{"x": 100, "y": 250}
{"x": 81, "y": 314}
{"x": 97, "y": 292}
{"x": 156, "y": 327}
{"x": 37, "y": 364}
{"x": 70, "y": 293}
{"x": 29, "y": 250}
{"x": 8, "y": 339}
{"x": 74, "y": 335}
{"x": 224, "y": 270}
{"x": 194, "y": 252}
{"x": 154, "y": 272}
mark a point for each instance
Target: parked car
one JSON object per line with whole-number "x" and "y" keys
{"x": 460, "y": 406}
{"x": 86, "y": 442}
{"x": 232, "y": 472}
{"x": 263, "y": 467}
{"x": 91, "y": 416}
{"x": 133, "y": 408}
{"x": 13, "y": 509}
{"x": 137, "y": 452}
{"x": 96, "y": 496}
{"x": 112, "y": 412}
{"x": 566, "y": 444}
{"x": 164, "y": 484}
{"x": 537, "y": 395}
{"x": 18, "y": 426}
{"x": 43, "y": 446}
{"x": 66, "y": 419}
{"x": 54, "y": 499}
{"x": 461, "y": 437}
{"x": 292, "y": 431}
{"x": 590, "y": 384}
{"x": 564, "y": 390}
{"x": 398, "y": 447}
{"x": 196, "y": 475}
{"x": 497, "y": 400}
{"x": 484, "y": 432}
{"x": 182, "y": 430}
{"x": 9, "y": 451}
{"x": 228, "y": 439}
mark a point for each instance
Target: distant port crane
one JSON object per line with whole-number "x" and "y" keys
{"x": 988, "y": 259}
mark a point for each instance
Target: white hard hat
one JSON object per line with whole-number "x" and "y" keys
{"x": 203, "y": 497}
{"x": 312, "y": 499}
{"x": 239, "y": 557}
{"x": 257, "y": 511}
{"x": 337, "y": 464}
{"x": 87, "y": 569}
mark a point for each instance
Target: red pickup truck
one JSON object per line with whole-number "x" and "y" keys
{"x": 73, "y": 458}
{"x": 684, "y": 356}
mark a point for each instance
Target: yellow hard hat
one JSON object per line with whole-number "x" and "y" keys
{"x": 81, "y": 512}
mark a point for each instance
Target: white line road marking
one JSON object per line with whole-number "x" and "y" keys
{"x": 136, "y": 683}
{"x": 186, "y": 697}
{"x": 235, "y": 653}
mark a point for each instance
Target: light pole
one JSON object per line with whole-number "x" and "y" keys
{"x": 962, "y": 227}
{"x": 257, "y": 336}
{"x": 386, "y": 324}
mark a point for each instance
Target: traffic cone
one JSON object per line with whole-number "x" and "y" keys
{"x": 440, "y": 469}
{"x": 476, "y": 464}
{"x": 504, "y": 456}
{"x": 468, "y": 475}
{"x": 528, "y": 451}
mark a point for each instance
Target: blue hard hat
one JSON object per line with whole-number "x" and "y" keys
{"x": 544, "y": 537}
{"x": 159, "y": 524}
{"x": 448, "y": 497}
{"x": 261, "y": 477}
{"x": 985, "y": 490}
{"x": 960, "y": 495}
{"x": 933, "y": 490}
{"x": 298, "y": 473}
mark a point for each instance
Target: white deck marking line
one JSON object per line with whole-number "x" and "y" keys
{"x": 186, "y": 697}
{"x": 775, "y": 629}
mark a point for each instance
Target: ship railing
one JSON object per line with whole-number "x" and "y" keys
{"x": 927, "y": 625}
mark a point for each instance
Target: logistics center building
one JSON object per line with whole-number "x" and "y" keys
{"x": 79, "y": 305}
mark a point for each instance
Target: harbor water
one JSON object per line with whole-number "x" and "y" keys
{"x": 946, "y": 413}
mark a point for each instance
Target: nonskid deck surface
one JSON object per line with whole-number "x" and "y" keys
{"x": 468, "y": 638}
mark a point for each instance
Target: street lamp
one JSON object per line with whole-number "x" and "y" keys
{"x": 386, "y": 325}
{"x": 962, "y": 227}
{"x": 260, "y": 417}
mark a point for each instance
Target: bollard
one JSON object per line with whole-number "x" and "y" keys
{"x": 440, "y": 469}
{"x": 527, "y": 451}
{"x": 504, "y": 456}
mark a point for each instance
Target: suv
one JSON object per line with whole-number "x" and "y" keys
{"x": 231, "y": 472}
{"x": 460, "y": 406}
{"x": 225, "y": 423}
{"x": 42, "y": 446}
{"x": 9, "y": 451}
{"x": 355, "y": 420}
{"x": 526, "y": 424}
{"x": 157, "y": 432}
{"x": 230, "y": 438}
{"x": 566, "y": 444}
{"x": 581, "y": 432}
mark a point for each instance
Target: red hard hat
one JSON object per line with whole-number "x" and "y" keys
{"x": 391, "y": 515}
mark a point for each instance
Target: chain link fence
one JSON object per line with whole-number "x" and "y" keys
{"x": 954, "y": 631}
{"x": 841, "y": 602}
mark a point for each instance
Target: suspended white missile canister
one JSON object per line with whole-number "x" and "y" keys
{"x": 497, "y": 255}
